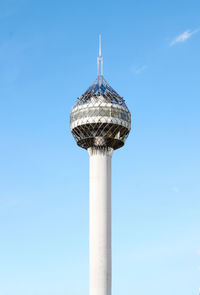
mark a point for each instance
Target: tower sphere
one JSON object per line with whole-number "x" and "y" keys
{"x": 100, "y": 117}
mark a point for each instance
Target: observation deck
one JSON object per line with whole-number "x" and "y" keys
{"x": 100, "y": 117}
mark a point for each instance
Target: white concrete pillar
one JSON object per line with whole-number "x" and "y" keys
{"x": 100, "y": 221}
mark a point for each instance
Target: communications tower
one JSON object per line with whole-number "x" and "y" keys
{"x": 100, "y": 123}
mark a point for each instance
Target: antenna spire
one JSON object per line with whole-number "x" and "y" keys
{"x": 100, "y": 60}
{"x": 100, "y": 45}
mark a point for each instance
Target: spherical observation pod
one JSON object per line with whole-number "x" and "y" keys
{"x": 100, "y": 117}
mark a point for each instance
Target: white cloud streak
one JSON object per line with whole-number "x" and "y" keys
{"x": 140, "y": 69}
{"x": 176, "y": 189}
{"x": 183, "y": 37}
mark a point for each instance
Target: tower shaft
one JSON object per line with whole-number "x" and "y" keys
{"x": 100, "y": 221}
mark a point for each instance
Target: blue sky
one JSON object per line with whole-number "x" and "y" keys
{"x": 48, "y": 53}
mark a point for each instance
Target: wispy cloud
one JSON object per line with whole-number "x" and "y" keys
{"x": 183, "y": 37}
{"x": 138, "y": 70}
{"x": 176, "y": 189}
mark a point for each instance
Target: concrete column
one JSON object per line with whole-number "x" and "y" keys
{"x": 100, "y": 221}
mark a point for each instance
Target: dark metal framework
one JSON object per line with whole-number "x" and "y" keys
{"x": 100, "y": 117}
{"x": 101, "y": 87}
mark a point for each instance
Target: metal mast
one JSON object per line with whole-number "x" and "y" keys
{"x": 100, "y": 63}
{"x": 100, "y": 60}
